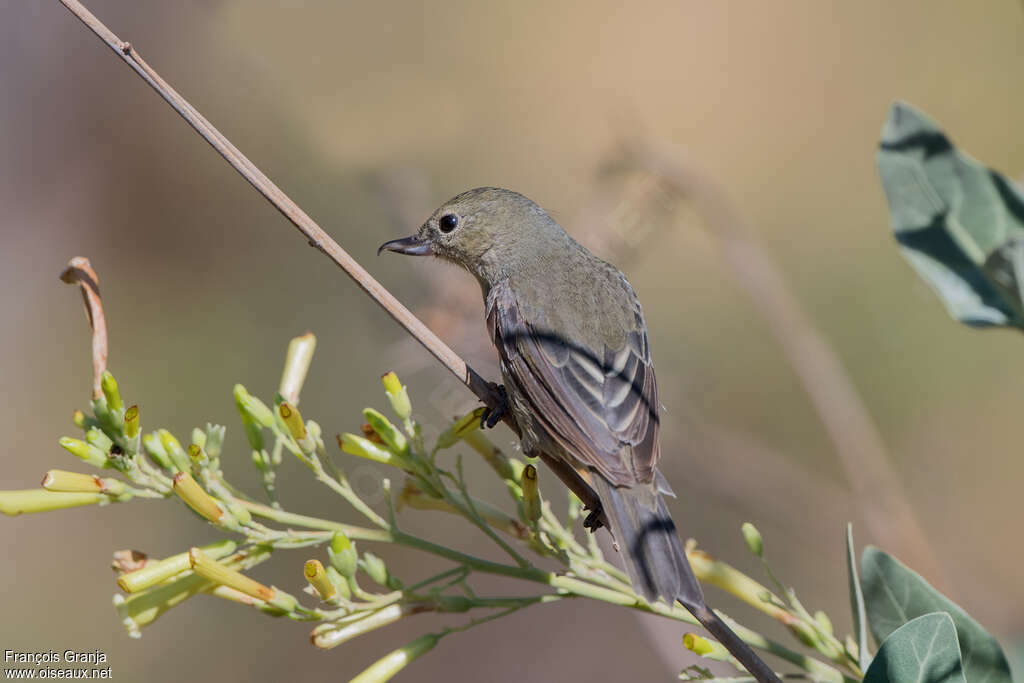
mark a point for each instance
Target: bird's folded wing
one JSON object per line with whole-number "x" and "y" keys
{"x": 599, "y": 404}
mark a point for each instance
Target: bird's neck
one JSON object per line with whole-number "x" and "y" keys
{"x": 537, "y": 258}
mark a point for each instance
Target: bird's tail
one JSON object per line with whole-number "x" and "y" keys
{"x": 658, "y": 567}
{"x": 647, "y": 539}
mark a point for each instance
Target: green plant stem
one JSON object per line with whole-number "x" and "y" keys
{"x": 352, "y": 531}
{"x": 566, "y": 585}
{"x": 343, "y": 489}
{"x": 466, "y": 507}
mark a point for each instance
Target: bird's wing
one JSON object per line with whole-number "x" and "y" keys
{"x": 599, "y": 404}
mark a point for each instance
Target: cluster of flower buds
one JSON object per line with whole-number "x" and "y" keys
{"x": 335, "y": 583}
{"x": 155, "y": 586}
{"x": 156, "y": 464}
{"x": 111, "y": 442}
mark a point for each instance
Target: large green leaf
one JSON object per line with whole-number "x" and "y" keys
{"x": 923, "y": 650}
{"x": 895, "y": 594}
{"x": 860, "y": 618}
{"x": 960, "y": 224}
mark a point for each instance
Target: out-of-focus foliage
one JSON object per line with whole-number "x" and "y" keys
{"x": 960, "y": 224}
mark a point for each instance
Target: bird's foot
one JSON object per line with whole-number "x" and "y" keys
{"x": 496, "y": 408}
{"x": 593, "y": 520}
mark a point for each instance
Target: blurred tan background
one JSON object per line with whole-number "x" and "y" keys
{"x": 372, "y": 114}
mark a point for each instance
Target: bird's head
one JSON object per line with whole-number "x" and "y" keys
{"x": 489, "y": 231}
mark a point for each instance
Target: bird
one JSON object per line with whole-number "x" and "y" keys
{"x": 578, "y": 380}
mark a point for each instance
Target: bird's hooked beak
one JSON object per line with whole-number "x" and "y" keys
{"x": 412, "y": 246}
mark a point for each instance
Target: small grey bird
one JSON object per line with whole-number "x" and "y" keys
{"x": 578, "y": 377}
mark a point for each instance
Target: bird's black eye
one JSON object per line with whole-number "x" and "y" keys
{"x": 448, "y": 222}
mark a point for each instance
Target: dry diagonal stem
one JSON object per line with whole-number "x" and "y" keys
{"x": 79, "y": 272}
{"x": 306, "y": 225}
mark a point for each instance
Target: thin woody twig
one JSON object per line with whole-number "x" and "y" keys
{"x": 79, "y": 272}
{"x": 306, "y": 225}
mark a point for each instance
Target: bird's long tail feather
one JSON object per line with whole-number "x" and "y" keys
{"x": 658, "y": 567}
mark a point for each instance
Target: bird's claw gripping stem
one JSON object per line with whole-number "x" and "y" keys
{"x": 496, "y": 407}
{"x": 593, "y": 520}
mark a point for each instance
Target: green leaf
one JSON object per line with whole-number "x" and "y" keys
{"x": 896, "y": 594}
{"x": 960, "y": 224}
{"x": 923, "y": 650}
{"x": 860, "y": 617}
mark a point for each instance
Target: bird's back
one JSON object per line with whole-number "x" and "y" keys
{"x": 576, "y": 361}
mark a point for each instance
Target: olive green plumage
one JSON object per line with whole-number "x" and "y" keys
{"x": 576, "y": 364}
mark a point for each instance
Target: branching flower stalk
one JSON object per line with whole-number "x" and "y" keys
{"x": 541, "y": 547}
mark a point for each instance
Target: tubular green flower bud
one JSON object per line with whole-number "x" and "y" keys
{"x": 296, "y": 365}
{"x": 823, "y": 621}
{"x": 61, "y": 480}
{"x": 343, "y": 555}
{"x": 155, "y": 449}
{"x": 199, "y": 437}
{"x": 531, "y": 494}
{"x": 97, "y": 438}
{"x": 197, "y": 455}
{"x": 112, "y": 487}
{"x": 205, "y": 566}
{"x": 217, "y": 488}
{"x": 330, "y": 635}
{"x": 131, "y": 422}
{"x": 852, "y": 648}
{"x": 753, "y": 538}
{"x": 196, "y": 498}
{"x": 214, "y": 440}
{"x": 174, "y": 450}
{"x": 253, "y": 432}
{"x": 111, "y": 392}
{"x": 162, "y": 570}
{"x": 78, "y": 417}
{"x": 142, "y": 609}
{"x": 283, "y": 601}
{"x": 296, "y": 427}
{"x": 460, "y": 428}
{"x": 84, "y": 451}
{"x": 397, "y": 395}
{"x": 387, "y": 432}
{"x": 697, "y": 644}
{"x": 241, "y": 515}
{"x": 253, "y": 407}
{"x": 709, "y": 649}
{"x": 340, "y": 582}
{"x": 318, "y": 579}
{"x": 40, "y": 500}
{"x": 396, "y": 660}
{"x": 374, "y": 568}
{"x": 364, "y": 448}
{"x": 804, "y": 633}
